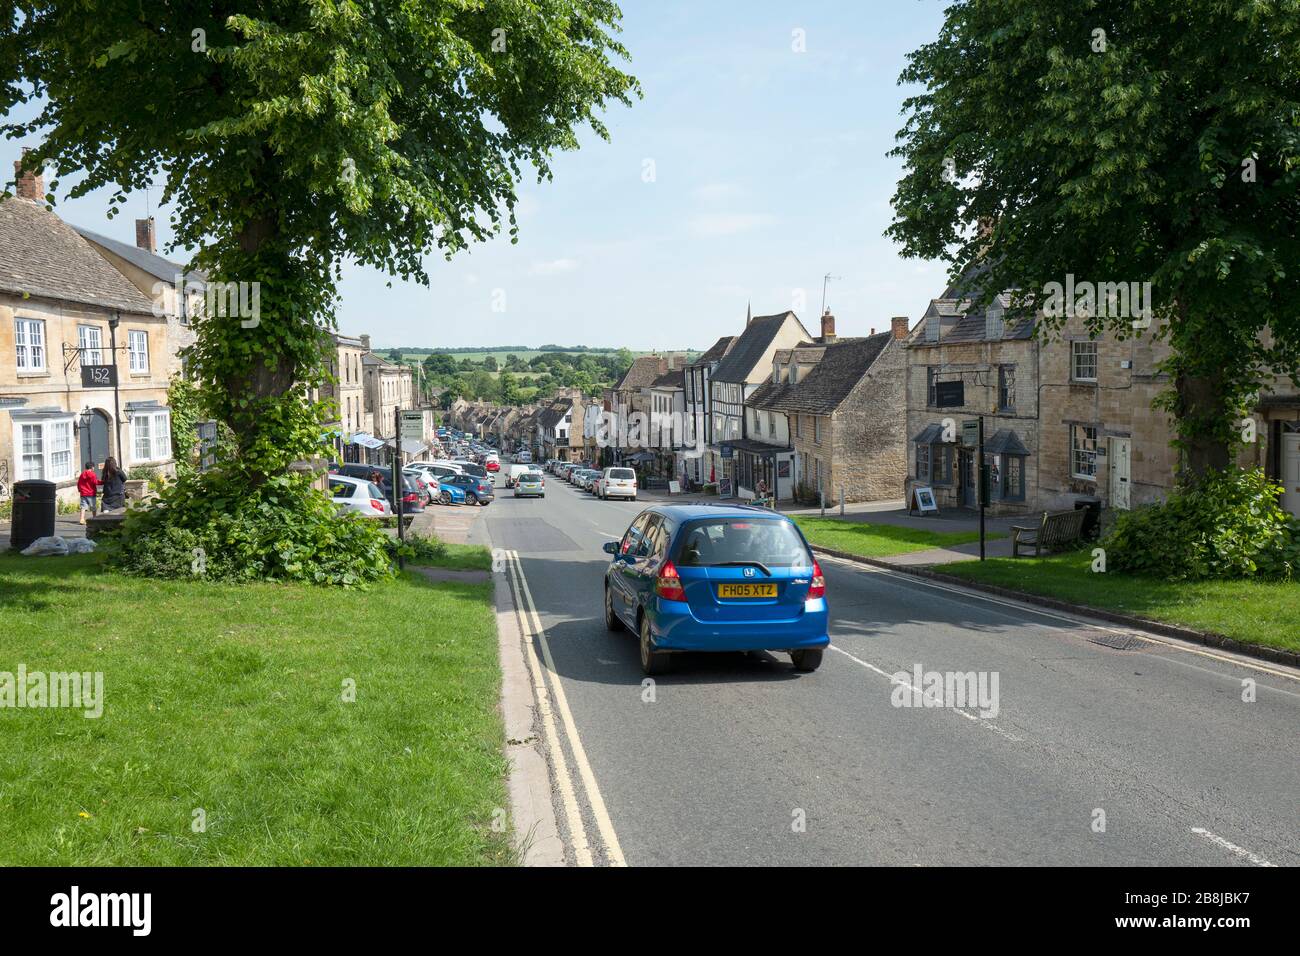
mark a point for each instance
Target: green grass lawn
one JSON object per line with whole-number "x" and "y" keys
{"x": 230, "y": 699}
{"x": 1255, "y": 611}
{"x": 879, "y": 540}
{"x": 459, "y": 557}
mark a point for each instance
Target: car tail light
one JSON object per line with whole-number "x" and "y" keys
{"x": 668, "y": 585}
{"x": 410, "y": 496}
{"x": 818, "y": 587}
{"x": 377, "y": 505}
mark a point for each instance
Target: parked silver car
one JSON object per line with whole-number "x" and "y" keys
{"x": 360, "y": 496}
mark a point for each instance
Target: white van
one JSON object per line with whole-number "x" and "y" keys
{"x": 515, "y": 472}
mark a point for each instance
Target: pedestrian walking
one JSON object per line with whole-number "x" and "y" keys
{"x": 88, "y": 487}
{"x": 114, "y": 482}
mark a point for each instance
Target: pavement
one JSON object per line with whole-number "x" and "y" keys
{"x": 1108, "y": 746}
{"x": 65, "y": 526}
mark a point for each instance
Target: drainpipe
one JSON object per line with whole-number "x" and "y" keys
{"x": 117, "y": 405}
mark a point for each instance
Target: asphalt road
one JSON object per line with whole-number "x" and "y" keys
{"x": 1098, "y": 755}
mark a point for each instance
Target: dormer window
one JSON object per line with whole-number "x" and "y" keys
{"x": 993, "y": 324}
{"x": 932, "y": 329}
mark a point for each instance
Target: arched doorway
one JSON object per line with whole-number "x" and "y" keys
{"x": 94, "y": 438}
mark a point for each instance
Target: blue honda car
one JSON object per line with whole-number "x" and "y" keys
{"x": 716, "y": 578}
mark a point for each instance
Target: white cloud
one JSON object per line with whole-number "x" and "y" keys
{"x": 728, "y": 224}
{"x": 553, "y": 267}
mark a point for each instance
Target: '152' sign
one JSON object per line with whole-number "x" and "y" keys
{"x": 98, "y": 376}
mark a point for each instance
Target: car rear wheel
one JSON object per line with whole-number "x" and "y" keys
{"x": 807, "y": 660}
{"x": 652, "y": 662}
{"x": 612, "y": 623}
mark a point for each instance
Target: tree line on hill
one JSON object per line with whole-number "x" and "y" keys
{"x": 513, "y": 381}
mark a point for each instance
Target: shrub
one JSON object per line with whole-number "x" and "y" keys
{"x": 1230, "y": 524}
{"x": 418, "y": 548}
{"x": 217, "y": 526}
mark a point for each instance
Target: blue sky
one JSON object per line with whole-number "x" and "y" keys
{"x": 769, "y": 171}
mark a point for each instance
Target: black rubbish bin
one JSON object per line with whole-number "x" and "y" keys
{"x": 33, "y": 512}
{"x": 1092, "y": 520}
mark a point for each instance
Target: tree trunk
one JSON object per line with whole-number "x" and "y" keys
{"x": 1204, "y": 406}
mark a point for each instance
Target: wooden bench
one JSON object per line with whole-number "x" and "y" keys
{"x": 1057, "y": 528}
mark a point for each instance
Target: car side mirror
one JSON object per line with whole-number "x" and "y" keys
{"x": 611, "y": 547}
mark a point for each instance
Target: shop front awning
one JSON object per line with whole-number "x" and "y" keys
{"x": 1005, "y": 442}
{"x": 755, "y": 447}
{"x": 366, "y": 440}
{"x": 409, "y": 446}
{"x": 929, "y": 435}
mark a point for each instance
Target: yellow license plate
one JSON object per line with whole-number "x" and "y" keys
{"x": 746, "y": 590}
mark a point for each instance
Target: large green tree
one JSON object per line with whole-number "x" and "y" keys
{"x": 294, "y": 134}
{"x": 1123, "y": 141}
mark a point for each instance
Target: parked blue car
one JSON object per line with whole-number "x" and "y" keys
{"x": 717, "y": 578}
{"x": 450, "y": 494}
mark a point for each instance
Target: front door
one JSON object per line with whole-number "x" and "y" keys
{"x": 94, "y": 439}
{"x": 1119, "y": 473}
{"x": 966, "y": 469}
{"x": 1291, "y": 472}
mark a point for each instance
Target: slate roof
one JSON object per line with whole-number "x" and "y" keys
{"x": 715, "y": 351}
{"x": 644, "y": 370}
{"x": 829, "y": 382}
{"x": 673, "y": 378}
{"x": 554, "y": 413}
{"x": 749, "y": 347}
{"x": 959, "y": 300}
{"x": 42, "y": 255}
{"x": 150, "y": 262}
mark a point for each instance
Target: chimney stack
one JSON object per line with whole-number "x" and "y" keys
{"x": 898, "y": 325}
{"x": 828, "y": 328}
{"x": 365, "y": 342}
{"x": 31, "y": 183}
{"x": 144, "y": 235}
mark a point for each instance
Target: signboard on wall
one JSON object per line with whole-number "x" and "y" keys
{"x": 98, "y": 376}
{"x": 950, "y": 394}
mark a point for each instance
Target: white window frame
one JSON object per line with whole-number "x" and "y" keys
{"x": 92, "y": 353}
{"x": 47, "y": 432}
{"x": 159, "y": 438}
{"x": 134, "y": 353}
{"x": 1079, "y": 452}
{"x": 1089, "y": 351}
{"x": 29, "y": 344}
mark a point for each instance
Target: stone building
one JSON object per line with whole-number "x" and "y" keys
{"x": 1065, "y": 417}
{"x": 70, "y": 326}
{"x": 838, "y": 406}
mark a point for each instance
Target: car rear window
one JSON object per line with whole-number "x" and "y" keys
{"x": 622, "y": 473}
{"x": 772, "y": 542}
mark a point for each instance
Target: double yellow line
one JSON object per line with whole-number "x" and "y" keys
{"x": 550, "y": 702}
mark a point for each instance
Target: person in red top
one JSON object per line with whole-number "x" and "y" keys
{"x": 87, "y": 486}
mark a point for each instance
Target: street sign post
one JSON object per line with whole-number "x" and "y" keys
{"x": 399, "y": 486}
{"x": 411, "y": 425}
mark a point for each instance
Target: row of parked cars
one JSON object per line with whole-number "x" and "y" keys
{"x": 604, "y": 483}
{"x": 367, "y": 489}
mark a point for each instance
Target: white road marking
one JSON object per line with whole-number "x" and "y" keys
{"x": 1023, "y": 608}
{"x": 577, "y": 830}
{"x": 604, "y": 824}
{"x": 1233, "y": 848}
{"x": 982, "y": 721}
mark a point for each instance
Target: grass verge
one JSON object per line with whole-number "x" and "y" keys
{"x": 229, "y": 700}
{"x": 1259, "y": 612}
{"x": 879, "y": 540}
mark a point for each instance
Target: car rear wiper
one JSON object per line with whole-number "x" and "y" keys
{"x": 744, "y": 564}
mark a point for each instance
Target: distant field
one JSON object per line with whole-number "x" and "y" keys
{"x": 524, "y": 355}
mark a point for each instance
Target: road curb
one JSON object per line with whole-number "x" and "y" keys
{"x": 1275, "y": 655}
{"x": 532, "y": 811}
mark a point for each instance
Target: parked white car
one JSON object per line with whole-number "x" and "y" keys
{"x": 355, "y": 494}
{"x": 617, "y": 483}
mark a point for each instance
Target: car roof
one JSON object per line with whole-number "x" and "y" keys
{"x": 350, "y": 479}
{"x": 704, "y": 510}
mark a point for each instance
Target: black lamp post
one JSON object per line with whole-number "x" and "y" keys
{"x": 113, "y": 322}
